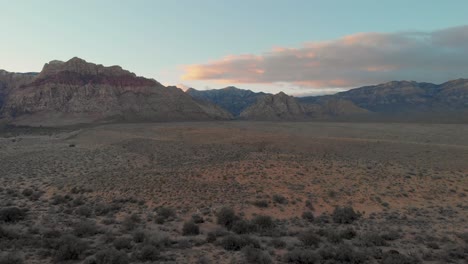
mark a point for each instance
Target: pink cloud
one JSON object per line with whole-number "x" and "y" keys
{"x": 354, "y": 60}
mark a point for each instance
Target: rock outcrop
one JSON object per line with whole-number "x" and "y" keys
{"x": 232, "y": 99}
{"x": 275, "y": 107}
{"x": 77, "y": 91}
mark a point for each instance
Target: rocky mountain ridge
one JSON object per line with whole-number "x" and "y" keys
{"x": 77, "y": 91}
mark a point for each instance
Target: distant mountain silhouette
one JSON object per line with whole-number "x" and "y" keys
{"x": 232, "y": 99}
{"x": 77, "y": 91}
{"x": 407, "y": 100}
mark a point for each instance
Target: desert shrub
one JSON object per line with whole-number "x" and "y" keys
{"x": 463, "y": 236}
{"x": 84, "y": 210}
{"x": 80, "y": 200}
{"x": 139, "y": 236}
{"x": 280, "y": 199}
{"x": 348, "y": 233}
{"x": 309, "y": 205}
{"x": 11, "y": 258}
{"x": 263, "y": 222}
{"x": 203, "y": 260}
{"x": 301, "y": 256}
{"x": 391, "y": 235}
{"x": 261, "y": 203}
{"x": 35, "y": 195}
{"x": 256, "y": 256}
{"x": 70, "y": 248}
{"x": 336, "y": 236}
{"x": 344, "y": 215}
{"x": 12, "y": 214}
{"x": 432, "y": 245}
{"x": 190, "y": 229}
{"x": 102, "y": 208}
{"x": 130, "y": 222}
{"x": 238, "y": 242}
{"x": 85, "y": 229}
{"x": 226, "y": 217}
{"x": 158, "y": 239}
{"x": 27, "y": 192}
{"x": 59, "y": 199}
{"x": 9, "y": 233}
{"x": 111, "y": 256}
{"x": 278, "y": 243}
{"x": 148, "y": 253}
{"x": 394, "y": 257}
{"x": 372, "y": 239}
{"x": 243, "y": 227}
{"x": 197, "y": 219}
{"x": 211, "y": 237}
{"x": 309, "y": 238}
{"x": 309, "y": 216}
{"x": 344, "y": 253}
{"x": 322, "y": 219}
{"x": 123, "y": 243}
{"x": 164, "y": 214}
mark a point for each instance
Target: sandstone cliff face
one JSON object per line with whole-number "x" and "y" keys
{"x": 275, "y": 107}
{"x": 86, "y": 92}
{"x": 11, "y": 80}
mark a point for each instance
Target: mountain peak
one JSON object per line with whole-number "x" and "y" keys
{"x": 77, "y": 71}
{"x": 231, "y": 88}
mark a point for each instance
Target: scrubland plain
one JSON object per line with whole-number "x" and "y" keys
{"x": 235, "y": 192}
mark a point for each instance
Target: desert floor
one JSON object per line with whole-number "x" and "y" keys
{"x": 409, "y": 183}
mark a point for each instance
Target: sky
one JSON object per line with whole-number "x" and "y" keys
{"x": 299, "y": 47}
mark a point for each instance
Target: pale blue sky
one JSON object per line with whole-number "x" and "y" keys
{"x": 157, "y": 38}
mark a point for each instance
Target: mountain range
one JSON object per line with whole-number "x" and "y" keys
{"x": 77, "y": 91}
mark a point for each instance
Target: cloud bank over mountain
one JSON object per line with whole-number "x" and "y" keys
{"x": 351, "y": 61}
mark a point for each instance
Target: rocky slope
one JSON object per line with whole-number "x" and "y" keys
{"x": 232, "y": 99}
{"x": 11, "y": 80}
{"x": 275, "y": 107}
{"x": 283, "y": 107}
{"x": 405, "y": 97}
{"x": 77, "y": 91}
